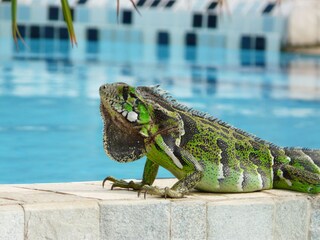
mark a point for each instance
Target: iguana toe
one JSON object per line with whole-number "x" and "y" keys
{"x": 123, "y": 184}
{"x": 162, "y": 192}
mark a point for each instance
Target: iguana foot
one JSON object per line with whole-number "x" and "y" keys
{"x": 123, "y": 184}
{"x": 162, "y": 192}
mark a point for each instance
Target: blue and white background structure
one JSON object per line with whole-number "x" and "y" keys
{"x": 239, "y": 24}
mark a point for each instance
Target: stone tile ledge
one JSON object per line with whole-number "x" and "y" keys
{"x": 85, "y": 210}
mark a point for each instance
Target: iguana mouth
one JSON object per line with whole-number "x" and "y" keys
{"x": 117, "y": 106}
{"x": 116, "y": 119}
{"x": 122, "y": 100}
{"x": 111, "y": 108}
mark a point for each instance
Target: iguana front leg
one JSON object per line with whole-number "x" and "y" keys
{"x": 178, "y": 190}
{"x": 173, "y": 157}
{"x": 149, "y": 175}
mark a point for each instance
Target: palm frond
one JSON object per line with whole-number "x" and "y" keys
{"x": 68, "y": 19}
{"x": 14, "y": 27}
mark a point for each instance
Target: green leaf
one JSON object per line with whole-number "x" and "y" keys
{"x": 15, "y": 31}
{"x": 68, "y": 19}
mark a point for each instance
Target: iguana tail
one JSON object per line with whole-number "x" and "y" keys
{"x": 297, "y": 169}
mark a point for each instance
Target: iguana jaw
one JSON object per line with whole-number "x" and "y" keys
{"x": 121, "y": 105}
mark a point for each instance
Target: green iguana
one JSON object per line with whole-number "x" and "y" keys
{"x": 203, "y": 152}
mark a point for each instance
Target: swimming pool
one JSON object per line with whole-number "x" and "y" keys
{"x": 50, "y": 126}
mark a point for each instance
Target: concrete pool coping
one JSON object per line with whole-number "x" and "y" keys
{"x": 84, "y": 210}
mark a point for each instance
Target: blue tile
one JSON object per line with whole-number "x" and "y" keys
{"x": 22, "y": 30}
{"x": 212, "y": 21}
{"x": 163, "y": 52}
{"x": 246, "y": 42}
{"x": 211, "y": 80}
{"x": 155, "y": 3}
{"x": 35, "y": 46}
{"x": 260, "y": 59}
{"x": 127, "y": 17}
{"x": 48, "y": 32}
{"x": 190, "y": 54}
{"x": 92, "y": 47}
{"x": 212, "y": 5}
{"x": 63, "y": 33}
{"x": 211, "y": 74}
{"x": 246, "y": 57}
{"x": 48, "y": 46}
{"x": 34, "y": 32}
{"x": 64, "y": 47}
{"x": 268, "y": 9}
{"x": 140, "y": 3}
{"x": 92, "y": 35}
{"x": 260, "y": 43}
{"x": 170, "y": 4}
{"x": 196, "y": 73}
{"x": 163, "y": 38}
{"x": 191, "y": 39}
{"x": 82, "y": 2}
{"x": 197, "y": 20}
{"x": 53, "y": 13}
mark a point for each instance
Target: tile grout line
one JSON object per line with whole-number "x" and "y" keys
{"x": 170, "y": 221}
{"x": 99, "y": 205}
{"x": 25, "y": 223}
{"x": 309, "y": 217}
{"x": 274, "y": 218}
{"x": 207, "y": 221}
{"x": 62, "y": 193}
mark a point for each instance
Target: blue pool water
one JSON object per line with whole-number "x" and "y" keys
{"x": 50, "y": 126}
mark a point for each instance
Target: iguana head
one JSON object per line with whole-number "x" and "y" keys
{"x": 124, "y": 100}
{"x": 133, "y": 116}
{"x": 125, "y": 118}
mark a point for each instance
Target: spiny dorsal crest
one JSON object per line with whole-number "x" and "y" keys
{"x": 164, "y": 95}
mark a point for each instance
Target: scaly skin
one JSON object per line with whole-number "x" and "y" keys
{"x": 202, "y": 152}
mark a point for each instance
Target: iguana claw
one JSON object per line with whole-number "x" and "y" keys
{"x": 123, "y": 184}
{"x": 112, "y": 179}
{"x": 143, "y": 188}
{"x": 162, "y": 192}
